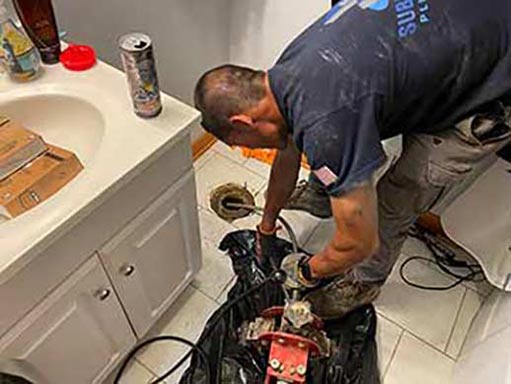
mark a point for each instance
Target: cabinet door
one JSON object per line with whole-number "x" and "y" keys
{"x": 76, "y": 335}
{"x": 153, "y": 259}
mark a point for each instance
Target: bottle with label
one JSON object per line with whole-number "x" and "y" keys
{"x": 18, "y": 55}
{"x": 38, "y": 19}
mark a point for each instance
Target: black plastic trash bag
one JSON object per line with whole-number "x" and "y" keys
{"x": 6, "y": 378}
{"x": 354, "y": 360}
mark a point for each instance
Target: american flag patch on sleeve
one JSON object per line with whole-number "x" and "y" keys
{"x": 325, "y": 175}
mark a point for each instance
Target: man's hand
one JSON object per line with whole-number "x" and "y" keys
{"x": 265, "y": 241}
{"x": 356, "y": 237}
{"x": 293, "y": 265}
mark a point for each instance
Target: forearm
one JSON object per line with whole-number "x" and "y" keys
{"x": 356, "y": 237}
{"x": 333, "y": 261}
{"x": 283, "y": 177}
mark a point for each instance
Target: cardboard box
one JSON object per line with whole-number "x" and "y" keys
{"x": 37, "y": 181}
{"x": 18, "y": 147}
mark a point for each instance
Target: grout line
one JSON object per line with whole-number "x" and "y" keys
{"x": 224, "y": 289}
{"x": 193, "y": 284}
{"x": 261, "y": 190}
{"x": 206, "y": 158}
{"x": 415, "y": 335}
{"x": 202, "y": 293}
{"x": 241, "y": 164}
{"x": 480, "y": 292}
{"x": 139, "y": 361}
{"x": 394, "y": 352}
{"x": 430, "y": 345}
{"x": 215, "y": 149}
{"x": 456, "y": 319}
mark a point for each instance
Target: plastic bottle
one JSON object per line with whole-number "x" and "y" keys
{"x": 17, "y": 53}
{"x": 38, "y": 19}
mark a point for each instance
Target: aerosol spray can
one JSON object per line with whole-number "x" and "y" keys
{"x": 140, "y": 67}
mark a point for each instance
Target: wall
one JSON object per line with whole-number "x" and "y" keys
{"x": 189, "y": 35}
{"x": 260, "y": 29}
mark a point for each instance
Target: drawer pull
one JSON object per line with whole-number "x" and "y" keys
{"x": 127, "y": 270}
{"x": 102, "y": 294}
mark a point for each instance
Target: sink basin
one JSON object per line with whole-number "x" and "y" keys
{"x": 66, "y": 121}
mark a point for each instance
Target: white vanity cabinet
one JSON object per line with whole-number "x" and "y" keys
{"x": 150, "y": 259}
{"x": 74, "y": 311}
{"x": 75, "y": 335}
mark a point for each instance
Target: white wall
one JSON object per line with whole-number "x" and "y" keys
{"x": 190, "y": 36}
{"x": 260, "y": 29}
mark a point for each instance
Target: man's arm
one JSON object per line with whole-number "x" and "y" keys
{"x": 356, "y": 237}
{"x": 283, "y": 177}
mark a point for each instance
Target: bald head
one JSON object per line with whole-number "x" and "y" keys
{"x": 227, "y": 91}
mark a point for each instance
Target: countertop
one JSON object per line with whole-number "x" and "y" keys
{"x": 128, "y": 144}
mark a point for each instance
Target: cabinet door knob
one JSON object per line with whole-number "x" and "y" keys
{"x": 102, "y": 294}
{"x": 127, "y": 270}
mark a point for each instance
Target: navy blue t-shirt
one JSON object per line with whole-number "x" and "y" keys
{"x": 369, "y": 70}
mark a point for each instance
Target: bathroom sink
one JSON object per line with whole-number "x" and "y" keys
{"x": 91, "y": 114}
{"x": 63, "y": 120}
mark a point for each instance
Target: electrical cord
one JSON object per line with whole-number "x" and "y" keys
{"x": 153, "y": 340}
{"x": 445, "y": 259}
{"x": 276, "y": 276}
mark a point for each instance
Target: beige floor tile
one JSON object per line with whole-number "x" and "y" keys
{"x": 428, "y": 314}
{"x": 321, "y": 236}
{"x": 186, "y": 318}
{"x": 220, "y": 170}
{"x": 231, "y": 153}
{"x": 303, "y": 225}
{"x": 136, "y": 373}
{"x": 493, "y": 317}
{"x": 259, "y": 167}
{"x": 222, "y": 297}
{"x": 213, "y": 229}
{"x": 488, "y": 363}
{"x": 201, "y": 161}
{"x": 216, "y": 271}
{"x": 415, "y": 247}
{"x": 418, "y": 363}
{"x": 387, "y": 338}
{"x": 471, "y": 304}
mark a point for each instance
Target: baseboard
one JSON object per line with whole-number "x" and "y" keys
{"x": 202, "y": 144}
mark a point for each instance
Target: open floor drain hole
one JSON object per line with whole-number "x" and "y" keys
{"x": 223, "y": 201}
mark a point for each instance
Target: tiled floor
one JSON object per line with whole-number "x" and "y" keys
{"x": 420, "y": 333}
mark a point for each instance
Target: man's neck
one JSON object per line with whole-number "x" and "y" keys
{"x": 271, "y": 103}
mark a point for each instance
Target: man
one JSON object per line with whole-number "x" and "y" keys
{"x": 437, "y": 72}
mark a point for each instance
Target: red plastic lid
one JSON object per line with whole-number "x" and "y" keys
{"x": 78, "y": 57}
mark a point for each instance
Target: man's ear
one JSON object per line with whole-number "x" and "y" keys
{"x": 243, "y": 120}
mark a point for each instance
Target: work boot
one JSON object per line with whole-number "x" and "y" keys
{"x": 311, "y": 197}
{"x": 342, "y": 296}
